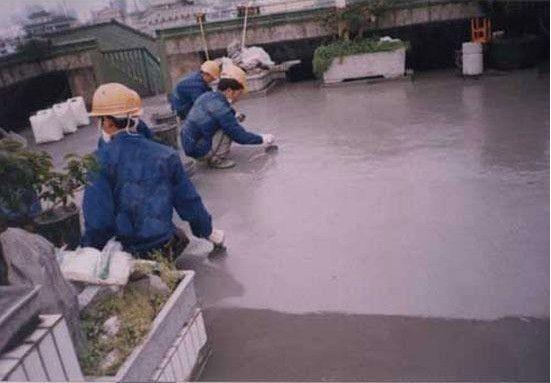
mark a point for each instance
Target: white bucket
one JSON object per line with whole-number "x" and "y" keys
{"x": 471, "y": 48}
{"x": 65, "y": 115}
{"x": 79, "y": 110}
{"x": 46, "y": 126}
{"x": 473, "y": 64}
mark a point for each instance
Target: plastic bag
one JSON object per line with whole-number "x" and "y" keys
{"x": 251, "y": 59}
{"x": 46, "y": 126}
{"x": 111, "y": 266}
{"x": 66, "y": 117}
{"x": 79, "y": 110}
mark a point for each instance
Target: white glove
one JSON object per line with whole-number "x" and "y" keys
{"x": 217, "y": 237}
{"x": 268, "y": 139}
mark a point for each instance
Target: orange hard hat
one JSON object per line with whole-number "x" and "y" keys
{"x": 211, "y": 67}
{"x": 137, "y": 103}
{"x": 117, "y": 100}
{"x": 235, "y": 73}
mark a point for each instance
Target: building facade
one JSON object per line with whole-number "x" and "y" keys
{"x": 41, "y": 22}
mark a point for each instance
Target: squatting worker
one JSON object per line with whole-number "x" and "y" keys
{"x": 211, "y": 125}
{"x": 137, "y": 125}
{"x": 138, "y": 185}
{"x": 192, "y": 86}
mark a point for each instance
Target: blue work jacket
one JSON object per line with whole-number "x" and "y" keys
{"x": 187, "y": 91}
{"x": 133, "y": 195}
{"x": 210, "y": 113}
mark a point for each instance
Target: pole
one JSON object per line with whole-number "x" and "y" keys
{"x": 244, "y": 34}
{"x": 200, "y": 20}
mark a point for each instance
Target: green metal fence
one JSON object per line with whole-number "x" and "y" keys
{"x": 138, "y": 68}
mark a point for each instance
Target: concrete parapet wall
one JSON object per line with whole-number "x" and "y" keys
{"x": 181, "y": 47}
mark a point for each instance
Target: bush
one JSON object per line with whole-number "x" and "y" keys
{"x": 29, "y": 177}
{"x": 324, "y": 55}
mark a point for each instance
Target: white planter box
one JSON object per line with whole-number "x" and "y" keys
{"x": 179, "y": 314}
{"x": 47, "y": 355}
{"x": 176, "y": 347}
{"x": 188, "y": 354}
{"x": 389, "y": 64}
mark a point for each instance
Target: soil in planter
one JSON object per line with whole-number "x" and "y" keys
{"x": 61, "y": 226}
{"x": 136, "y": 311}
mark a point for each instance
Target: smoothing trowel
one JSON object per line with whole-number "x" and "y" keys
{"x": 271, "y": 148}
{"x": 217, "y": 251}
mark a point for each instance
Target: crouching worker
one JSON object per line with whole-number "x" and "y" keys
{"x": 211, "y": 125}
{"x": 192, "y": 86}
{"x": 138, "y": 185}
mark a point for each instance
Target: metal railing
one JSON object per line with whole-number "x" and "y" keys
{"x": 137, "y": 65}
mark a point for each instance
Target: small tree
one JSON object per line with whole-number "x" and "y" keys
{"x": 22, "y": 173}
{"x": 353, "y": 20}
{"x": 29, "y": 177}
{"x": 59, "y": 188}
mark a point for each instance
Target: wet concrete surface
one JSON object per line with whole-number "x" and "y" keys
{"x": 395, "y": 226}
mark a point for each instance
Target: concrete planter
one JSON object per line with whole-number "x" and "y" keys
{"x": 46, "y": 355}
{"x": 389, "y": 64}
{"x": 180, "y": 319}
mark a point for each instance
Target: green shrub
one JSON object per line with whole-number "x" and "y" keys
{"x": 324, "y": 54}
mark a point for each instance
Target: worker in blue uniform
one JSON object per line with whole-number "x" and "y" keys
{"x": 192, "y": 86}
{"x": 211, "y": 125}
{"x": 138, "y": 186}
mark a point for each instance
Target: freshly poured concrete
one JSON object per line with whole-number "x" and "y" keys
{"x": 395, "y": 226}
{"x": 420, "y": 201}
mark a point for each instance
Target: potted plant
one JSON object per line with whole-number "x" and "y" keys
{"x": 21, "y": 172}
{"x": 39, "y": 198}
{"x": 352, "y": 56}
{"x": 60, "y": 220}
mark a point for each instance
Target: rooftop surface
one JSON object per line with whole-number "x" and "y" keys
{"x": 400, "y": 232}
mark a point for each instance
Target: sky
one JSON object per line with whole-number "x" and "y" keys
{"x": 10, "y": 8}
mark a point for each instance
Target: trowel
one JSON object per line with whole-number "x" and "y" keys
{"x": 271, "y": 148}
{"x": 217, "y": 251}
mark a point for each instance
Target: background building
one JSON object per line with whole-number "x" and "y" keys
{"x": 115, "y": 11}
{"x": 40, "y": 21}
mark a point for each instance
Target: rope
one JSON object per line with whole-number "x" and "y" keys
{"x": 205, "y": 48}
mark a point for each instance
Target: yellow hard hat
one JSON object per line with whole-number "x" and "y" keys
{"x": 211, "y": 67}
{"x": 237, "y": 74}
{"x": 114, "y": 99}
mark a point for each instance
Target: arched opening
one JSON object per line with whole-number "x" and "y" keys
{"x": 19, "y": 101}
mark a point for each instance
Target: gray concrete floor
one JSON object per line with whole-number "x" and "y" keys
{"x": 401, "y": 232}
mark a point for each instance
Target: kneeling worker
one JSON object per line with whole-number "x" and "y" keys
{"x": 211, "y": 125}
{"x": 138, "y": 185}
{"x": 192, "y": 86}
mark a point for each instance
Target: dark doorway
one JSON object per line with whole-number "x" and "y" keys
{"x": 18, "y": 102}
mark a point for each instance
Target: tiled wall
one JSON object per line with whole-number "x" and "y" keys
{"x": 46, "y": 355}
{"x": 184, "y": 355}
